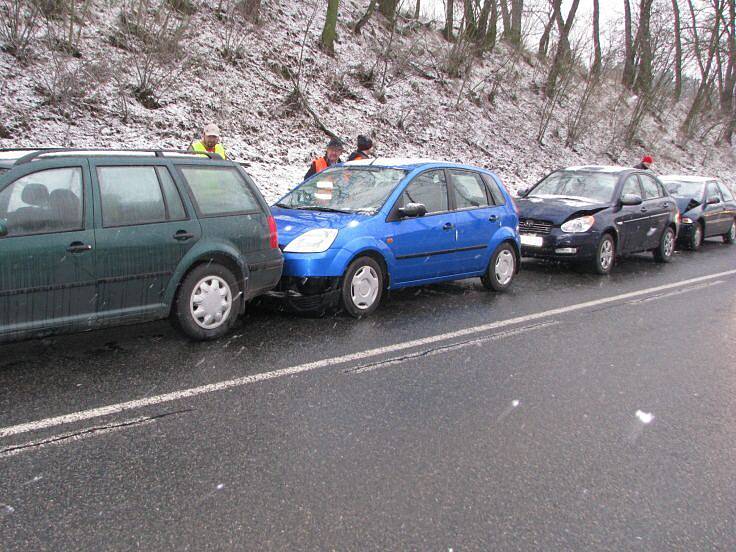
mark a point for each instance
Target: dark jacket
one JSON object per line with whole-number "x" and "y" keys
{"x": 642, "y": 166}
{"x": 358, "y": 155}
{"x": 313, "y": 167}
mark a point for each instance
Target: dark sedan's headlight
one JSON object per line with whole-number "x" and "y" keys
{"x": 578, "y": 225}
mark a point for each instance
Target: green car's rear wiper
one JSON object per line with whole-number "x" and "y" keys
{"x": 321, "y": 208}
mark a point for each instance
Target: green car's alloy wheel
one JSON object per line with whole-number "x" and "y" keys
{"x": 207, "y": 302}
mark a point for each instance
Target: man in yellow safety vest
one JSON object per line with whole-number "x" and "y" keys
{"x": 210, "y": 141}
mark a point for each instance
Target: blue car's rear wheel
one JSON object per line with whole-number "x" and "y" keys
{"x": 362, "y": 287}
{"x": 501, "y": 268}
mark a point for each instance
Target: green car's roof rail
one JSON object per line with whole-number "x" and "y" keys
{"x": 37, "y": 152}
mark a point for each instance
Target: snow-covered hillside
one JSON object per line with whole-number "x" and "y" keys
{"x": 490, "y": 118}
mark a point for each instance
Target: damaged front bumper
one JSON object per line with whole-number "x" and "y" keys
{"x": 306, "y": 294}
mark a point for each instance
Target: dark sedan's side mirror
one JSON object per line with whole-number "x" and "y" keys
{"x": 3, "y": 228}
{"x": 412, "y": 210}
{"x": 522, "y": 192}
{"x": 713, "y": 200}
{"x": 631, "y": 199}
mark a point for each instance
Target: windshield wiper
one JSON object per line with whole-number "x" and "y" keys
{"x": 283, "y": 205}
{"x": 321, "y": 208}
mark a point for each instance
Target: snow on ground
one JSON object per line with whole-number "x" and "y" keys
{"x": 424, "y": 113}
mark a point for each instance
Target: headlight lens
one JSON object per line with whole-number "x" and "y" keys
{"x": 314, "y": 241}
{"x": 686, "y": 220}
{"x": 582, "y": 224}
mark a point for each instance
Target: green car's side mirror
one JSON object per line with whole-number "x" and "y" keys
{"x": 3, "y": 228}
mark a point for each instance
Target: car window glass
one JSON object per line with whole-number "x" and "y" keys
{"x": 496, "y": 194}
{"x": 631, "y": 187}
{"x": 712, "y": 191}
{"x": 429, "y": 189}
{"x": 468, "y": 190}
{"x": 43, "y": 202}
{"x": 130, "y": 195}
{"x": 727, "y": 195}
{"x": 173, "y": 199}
{"x": 219, "y": 190}
{"x": 649, "y": 187}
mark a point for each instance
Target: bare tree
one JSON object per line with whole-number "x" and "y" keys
{"x": 643, "y": 81}
{"x": 19, "y": 21}
{"x": 596, "y": 67}
{"x": 366, "y": 16}
{"x": 629, "y": 54}
{"x": 544, "y": 39}
{"x": 449, "y": 19}
{"x": 327, "y": 41}
{"x": 563, "y": 55}
{"x": 678, "y": 51}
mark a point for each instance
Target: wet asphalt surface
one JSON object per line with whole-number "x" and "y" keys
{"x": 608, "y": 427}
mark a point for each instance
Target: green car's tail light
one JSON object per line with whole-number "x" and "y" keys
{"x": 273, "y": 232}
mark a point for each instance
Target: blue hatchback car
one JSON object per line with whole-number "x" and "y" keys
{"x": 357, "y": 229}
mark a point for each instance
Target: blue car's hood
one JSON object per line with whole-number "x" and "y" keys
{"x": 685, "y": 204}
{"x": 292, "y": 223}
{"x": 556, "y": 210}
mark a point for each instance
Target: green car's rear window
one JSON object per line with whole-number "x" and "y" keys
{"x": 219, "y": 190}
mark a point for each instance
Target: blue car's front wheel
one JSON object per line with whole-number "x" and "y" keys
{"x": 362, "y": 287}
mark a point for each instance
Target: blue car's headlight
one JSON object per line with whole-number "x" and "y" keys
{"x": 318, "y": 240}
{"x": 582, "y": 224}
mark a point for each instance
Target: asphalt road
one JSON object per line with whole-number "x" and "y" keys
{"x": 572, "y": 413}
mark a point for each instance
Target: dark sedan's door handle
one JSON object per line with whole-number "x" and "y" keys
{"x": 447, "y": 226}
{"x": 643, "y": 209}
{"x": 183, "y": 235}
{"x": 493, "y": 218}
{"x": 78, "y": 247}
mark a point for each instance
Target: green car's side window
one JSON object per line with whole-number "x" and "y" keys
{"x": 43, "y": 202}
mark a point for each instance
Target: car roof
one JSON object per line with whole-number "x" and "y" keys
{"x": 408, "y": 163}
{"x": 9, "y": 157}
{"x": 610, "y": 169}
{"x": 686, "y": 178}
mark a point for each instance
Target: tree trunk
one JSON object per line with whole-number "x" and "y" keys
{"x": 517, "y": 8}
{"x": 544, "y": 40}
{"x": 597, "y": 58}
{"x": 417, "y": 9}
{"x": 366, "y": 16}
{"x": 728, "y": 103}
{"x": 471, "y": 26}
{"x": 628, "y": 76}
{"x": 330, "y": 29}
{"x": 506, "y": 17}
{"x": 449, "y": 21}
{"x": 489, "y": 41}
{"x": 643, "y": 82}
{"x": 562, "y": 54}
{"x": 388, "y": 8}
{"x": 678, "y": 52}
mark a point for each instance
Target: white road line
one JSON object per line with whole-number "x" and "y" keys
{"x": 309, "y": 366}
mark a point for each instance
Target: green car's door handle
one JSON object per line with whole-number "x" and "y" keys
{"x": 183, "y": 235}
{"x": 78, "y": 247}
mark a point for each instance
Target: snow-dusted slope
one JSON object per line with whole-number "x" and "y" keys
{"x": 424, "y": 113}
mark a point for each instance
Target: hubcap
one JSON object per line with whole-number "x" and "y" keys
{"x": 211, "y": 302}
{"x": 504, "y": 268}
{"x": 669, "y": 243}
{"x": 364, "y": 287}
{"x": 698, "y": 235}
{"x": 732, "y": 232}
{"x": 606, "y": 257}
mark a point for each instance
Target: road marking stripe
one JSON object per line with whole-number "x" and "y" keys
{"x": 309, "y": 366}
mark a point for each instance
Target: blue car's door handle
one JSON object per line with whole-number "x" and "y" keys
{"x": 493, "y": 218}
{"x": 447, "y": 226}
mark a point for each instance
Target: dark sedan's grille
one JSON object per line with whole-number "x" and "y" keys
{"x": 535, "y": 226}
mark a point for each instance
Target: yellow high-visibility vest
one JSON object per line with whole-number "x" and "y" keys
{"x": 199, "y": 147}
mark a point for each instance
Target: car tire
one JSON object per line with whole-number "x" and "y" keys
{"x": 501, "y": 268}
{"x": 696, "y": 238}
{"x": 730, "y": 236}
{"x": 362, "y": 287}
{"x": 605, "y": 255}
{"x": 666, "y": 248}
{"x": 207, "y": 302}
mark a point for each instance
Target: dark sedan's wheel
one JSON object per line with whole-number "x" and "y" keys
{"x": 362, "y": 287}
{"x": 207, "y": 302}
{"x": 501, "y": 268}
{"x": 664, "y": 251}
{"x": 730, "y": 236}
{"x": 605, "y": 255}
{"x": 696, "y": 237}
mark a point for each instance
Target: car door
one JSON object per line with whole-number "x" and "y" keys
{"x": 729, "y": 206}
{"x": 476, "y": 219}
{"x": 715, "y": 213}
{"x": 423, "y": 246}
{"x": 629, "y": 218}
{"x": 142, "y": 230}
{"x": 47, "y": 257}
{"x": 657, "y": 210}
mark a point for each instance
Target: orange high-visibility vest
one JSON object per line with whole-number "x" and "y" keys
{"x": 320, "y": 164}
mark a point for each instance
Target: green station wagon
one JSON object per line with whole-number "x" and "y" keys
{"x": 98, "y": 238}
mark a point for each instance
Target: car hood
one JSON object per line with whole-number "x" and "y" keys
{"x": 292, "y": 223}
{"x": 556, "y": 210}
{"x": 685, "y": 204}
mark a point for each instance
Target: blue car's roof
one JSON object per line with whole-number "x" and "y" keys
{"x": 404, "y": 163}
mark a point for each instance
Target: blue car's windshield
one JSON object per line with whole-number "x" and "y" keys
{"x": 685, "y": 189}
{"x": 580, "y": 185}
{"x": 345, "y": 189}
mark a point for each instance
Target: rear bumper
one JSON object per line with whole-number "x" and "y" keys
{"x": 305, "y": 294}
{"x": 563, "y": 246}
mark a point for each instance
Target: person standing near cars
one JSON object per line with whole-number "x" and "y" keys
{"x": 365, "y": 149}
{"x": 646, "y": 163}
{"x": 334, "y": 150}
{"x": 210, "y": 142}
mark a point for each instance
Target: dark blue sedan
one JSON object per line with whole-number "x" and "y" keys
{"x": 593, "y": 214}
{"x": 355, "y": 230}
{"x": 707, "y": 207}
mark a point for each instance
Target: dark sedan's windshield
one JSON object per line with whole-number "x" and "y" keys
{"x": 577, "y": 185}
{"x": 682, "y": 188}
{"x": 345, "y": 189}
